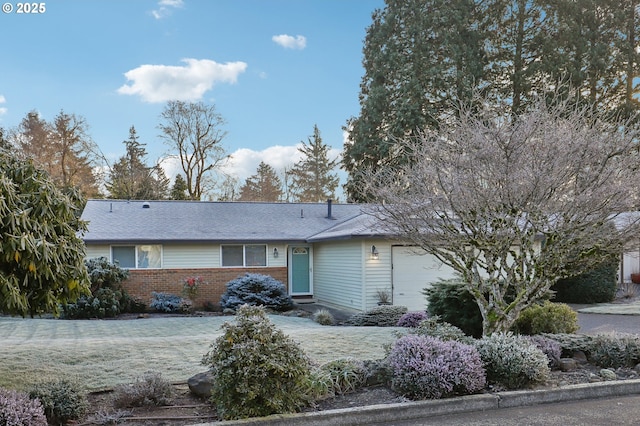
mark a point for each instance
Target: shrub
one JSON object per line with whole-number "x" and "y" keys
{"x": 596, "y": 286}
{"x": 381, "y": 316}
{"x": 17, "y": 409}
{"x": 453, "y": 303}
{"x": 324, "y": 317}
{"x": 108, "y": 299}
{"x": 169, "y": 303}
{"x": 615, "y": 350}
{"x": 412, "y": 319}
{"x": 256, "y": 290}
{"x": 104, "y": 304}
{"x": 149, "y": 389}
{"x": 257, "y": 370}
{"x": 62, "y": 401}
{"x": 346, "y": 374}
{"x": 424, "y": 367}
{"x": 103, "y": 273}
{"x": 549, "y": 347}
{"x": 441, "y": 330}
{"x": 512, "y": 361}
{"x": 547, "y": 318}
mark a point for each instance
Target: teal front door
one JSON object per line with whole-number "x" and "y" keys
{"x": 300, "y": 280}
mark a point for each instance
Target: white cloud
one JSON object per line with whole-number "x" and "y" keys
{"x": 244, "y": 162}
{"x": 161, "y": 83}
{"x": 290, "y": 42}
{"x": 3, "y": 110}
{"x": 165, "y": 8}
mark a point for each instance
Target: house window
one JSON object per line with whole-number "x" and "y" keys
{"x": 147, "y": 256}
{"x": 244, "y": 255}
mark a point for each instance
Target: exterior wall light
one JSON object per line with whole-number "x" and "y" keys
{"x": 374, "y": 253}
{"x": 275, "y": 252}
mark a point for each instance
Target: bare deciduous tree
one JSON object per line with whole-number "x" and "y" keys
{"x": 194, "y": 131}
{"x": 513, "y": 204}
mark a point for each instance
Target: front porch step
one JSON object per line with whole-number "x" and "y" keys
{"x": 303, "y": 300}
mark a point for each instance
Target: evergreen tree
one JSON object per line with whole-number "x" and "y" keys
{"x": 425, "y": 58}
{"x": 312, "y": 179}
{"x": 131, "y": 179}
{"x": 265, "y": 185}
{"x": 179, "y": 189}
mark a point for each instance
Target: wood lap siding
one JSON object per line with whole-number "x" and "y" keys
{"x": 190, "y": 256}
{"x": 337, "y": 275}
{"x": 377, "y": 272}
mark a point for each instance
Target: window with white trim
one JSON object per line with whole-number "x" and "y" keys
{"x": 246, "y": 255}
{"x": 146, "y": 256}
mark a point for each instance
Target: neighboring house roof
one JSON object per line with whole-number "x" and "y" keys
{"x": 120, "y": 221}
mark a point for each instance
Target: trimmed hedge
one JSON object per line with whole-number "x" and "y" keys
{"x": 597, "y": 286}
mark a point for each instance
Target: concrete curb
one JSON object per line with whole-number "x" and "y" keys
{"x": 388, "y": 413}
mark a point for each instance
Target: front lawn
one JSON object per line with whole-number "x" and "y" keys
{"x": 103, "y": 353}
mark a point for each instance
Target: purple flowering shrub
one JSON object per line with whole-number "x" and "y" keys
{"x": 549, "y": 347}
{"x": 412, "y": 319}
{"x": 427, "y": 368}
{"x": 17, "y": 409}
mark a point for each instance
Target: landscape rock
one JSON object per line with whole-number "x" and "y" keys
{"x": 568, "y": 364}
{"x": 580, "y": 357}
{"x": 200, "y": 384}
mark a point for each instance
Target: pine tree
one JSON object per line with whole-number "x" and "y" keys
{"x": 265, "y": 185}
{"x": 179, "y": 189}
{"x": 131, "y": 179}
{"x": 312, "y": 177}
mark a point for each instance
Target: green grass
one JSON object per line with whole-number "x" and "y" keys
{"x": 102, "y": 353}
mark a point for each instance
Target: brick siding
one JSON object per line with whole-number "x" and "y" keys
{"x": 142, "y": 282}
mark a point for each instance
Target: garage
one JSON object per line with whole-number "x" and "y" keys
{"x": 412, "y": 271}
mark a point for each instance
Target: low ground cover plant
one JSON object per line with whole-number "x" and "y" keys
{"x": 324, "y": 317}
{"x": 427, "y": 368}
{"x": 381, "y": 316}
{"x": 256, "y": 290}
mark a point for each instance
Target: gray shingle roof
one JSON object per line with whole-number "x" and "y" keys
{"x": 192, "y": 221}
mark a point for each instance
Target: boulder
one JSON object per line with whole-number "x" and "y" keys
{"x": 200, "y": 384}
{"x": 567, "y": 364}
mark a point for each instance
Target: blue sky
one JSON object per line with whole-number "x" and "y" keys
{"x": 273, "y": 69}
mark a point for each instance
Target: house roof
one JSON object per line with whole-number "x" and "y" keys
{"x": 121, "y": 221}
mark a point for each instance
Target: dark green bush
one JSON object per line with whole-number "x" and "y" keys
{"x": 453, "y": 303}
{"x": 257, "y": 370}
{"x": 597, "y": 286}
{"x": 614, "y": 351}
{"x": 381, "y": 316}
{"x": 108, "y": 298}
{"x": 62, "y": 401}
{"x": 548, "y": 317}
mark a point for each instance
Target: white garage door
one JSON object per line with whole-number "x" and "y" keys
{"x": 414, "y": 270}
